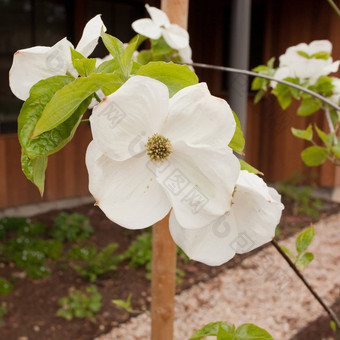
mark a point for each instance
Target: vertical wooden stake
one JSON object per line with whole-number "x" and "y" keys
{"x": 163, "y": 247}
{"x": 163, "y": 281}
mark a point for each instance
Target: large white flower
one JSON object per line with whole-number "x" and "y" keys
{"x": 151, "y": 152}
{"x": 250, "y": 223}
{"x": 40, "y": 62}
{"x": 159, "y": 25}
{"x": 303, "y": 61}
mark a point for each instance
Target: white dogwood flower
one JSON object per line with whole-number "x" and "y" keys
{"x": 40, "y": 62}
{"x": 251, "y": 222}
{"x": 307, "y": 62}
{"x": 159, "y": 25}
{"x": 336, "y": 91}
{"x": 151, "y": 152}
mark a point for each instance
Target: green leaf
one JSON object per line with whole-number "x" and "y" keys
{"x": 108, "y": 66}
{"x": 326, "y": 138}
{"x": 249, "y": 331}
{"x": 35, "y": 170}
{"x": 303, "y": 54}
{"x": 249, "y": 168}
{"x": 125, "y": 304}
{"x": 5, "y": 286}
{"x": 314, "y": 155}
{"x": 304, "y": 239}
{"x": 336, "y": 150}
{"x": 287, "y": 251}
{"x": 238, "y": 142}
{"x": 51, "y": 141}
{"x": 304, "y": 260}
{"x": 66, "y": 101}
{"x": 83, "y": 65}
{"x": 144, "y": 57}
{"x": 324, "y": 85}
{"x": 256, "y": 84}
{"x": 309, "y": 105}
{"x": 304, "y": 134}
{"x": 259, "y": 95}
{"x": 211, "y": 329}
{"x": 123, "y": 56}
{"x": 174, "y": 76}
{"x": 334, "y": 115}
{"x": 321, "y": 55}
{"x": 333, "y": 326}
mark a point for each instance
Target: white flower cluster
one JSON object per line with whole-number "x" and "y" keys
{"x": 152, "y": 155}
{"x": 308, "y": 63}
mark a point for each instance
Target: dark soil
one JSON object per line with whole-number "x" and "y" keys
{"x": 32, "y": 305}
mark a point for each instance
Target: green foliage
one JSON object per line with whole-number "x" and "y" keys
{"x": 84, "y": 66}
{"x": 82, "y": 304}
{"x": 249, "y": 168}
{"x": 174, "y": 76}
{"x": 301, "y": 196}
{"x": 91, "y": 262}
{"x": 238, "y": 142}
{"x": 21, "y": 225}
{"x": 5, "y": 286}
{"x": 31, "y": 254}
{"x": 71, "y": 99}
{"x": 125, "y": 304}
{"x": 309, "y": 105}
{"x": 285, "y": 93}
{"x": 314, "y": 155}
{"x": 304, "y": 239}
{"x": 260, "y": 84}
{"x": 71, "y": 227}
{"x": 306, "y": 134}
{"x": 3, "y": 312}
{"x": 224, "y": 331}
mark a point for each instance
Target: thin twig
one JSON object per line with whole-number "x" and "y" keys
{"x": 329, "y": 311}
{"x": 334, "y": 6}
{"x": 254, "y": 74}
{"x": 330, "y": 123}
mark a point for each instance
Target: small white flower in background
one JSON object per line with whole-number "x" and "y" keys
{"x": 159, "y": 25}
{"x": 336, "y": 91}
{"x": 251, "y": 222}
{"x": 40, "y": 62}
{"x": 307, "y": 62}
{"x": 151, "y": 152}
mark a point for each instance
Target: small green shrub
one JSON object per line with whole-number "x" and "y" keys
{"x": 71, "y": 227}
{"x": 21, "y": 225}
{"x": 301, "y": 196}
{"x": 92, "y": 262}
{"x": 31, "y": 254}
{"x": 80, "y": 304}
{"x": 5, "y": 286}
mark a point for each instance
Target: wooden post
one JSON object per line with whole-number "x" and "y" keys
{"x": 163, "y": 247}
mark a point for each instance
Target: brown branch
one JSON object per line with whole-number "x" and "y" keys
{"x": 329, "y": 311}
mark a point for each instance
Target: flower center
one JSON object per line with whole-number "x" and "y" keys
{"x": 158, "y": 147}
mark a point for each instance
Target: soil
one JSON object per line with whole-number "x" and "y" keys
{"x": 32, "y": 305}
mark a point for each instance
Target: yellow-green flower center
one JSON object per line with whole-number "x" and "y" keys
{"x": 158, "y": 147}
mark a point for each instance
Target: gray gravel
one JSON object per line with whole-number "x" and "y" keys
{"x": 261, "y": 290}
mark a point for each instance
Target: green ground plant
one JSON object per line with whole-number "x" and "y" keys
{"x": 71, "y": 227}
{"x": 91, "y": 262}
{"x": 3, "y": 312}
{"x": 5, "y": 286}
{"x": 301, "y": 196}
{"x": 81, "y": 304}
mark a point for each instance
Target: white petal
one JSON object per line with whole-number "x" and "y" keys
{"x": 320, "y": 46}
{"x": 257, "y": 211}
{"x": 127, "y": 192}
{"x": 176, "y": 36}
{"x": 281, "y": 73}
{"x": 212, "y": 245}
{"x": 147, "y": 28}
{"x": 250, "y": 223}
{"x": 199, "y": 182}
{"x": 199, "y": 118}
{"x": 186, "y": 54}
{"x": 158, "y": 16}
{"x": 36, "y": 63}
{"x": 124, "y": 120}
{"x": 91, "y": 34}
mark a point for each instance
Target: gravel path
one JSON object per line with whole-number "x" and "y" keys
{"x": 261, "y": 290}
